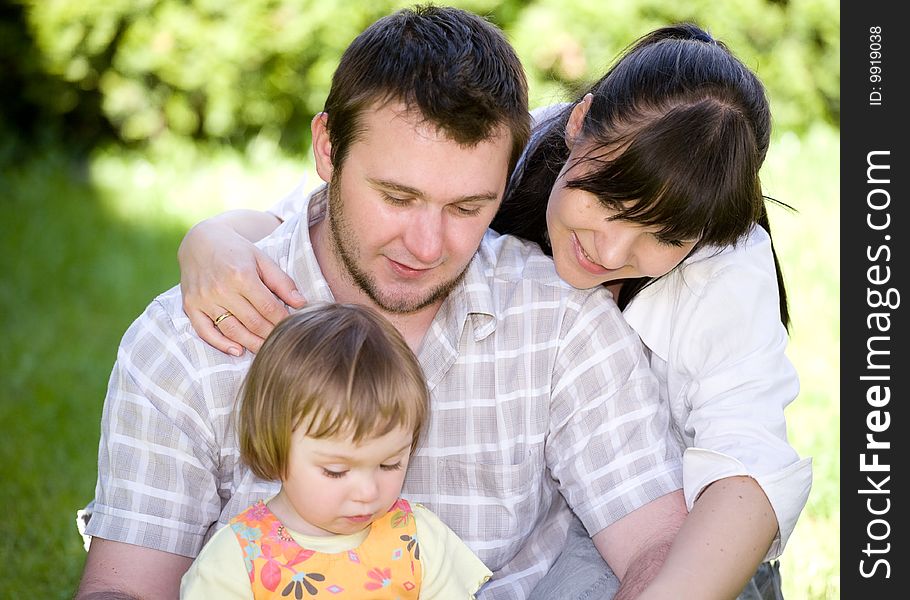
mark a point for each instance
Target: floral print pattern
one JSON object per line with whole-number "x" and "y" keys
{"x": 278, "y": 567}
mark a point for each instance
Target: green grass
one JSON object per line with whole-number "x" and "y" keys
{"x": 84, "y": 248}
{"x": 73, "y": 279}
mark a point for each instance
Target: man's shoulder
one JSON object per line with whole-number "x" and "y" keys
{"x": 164, "y": 334}
{"x": 277, "y": 244}
{"x": 510, "y": 261}
{"x": 524, "y": 285}
{"x": 165, "y": 313}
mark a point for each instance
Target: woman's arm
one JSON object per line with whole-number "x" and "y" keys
{"x": 728, "y": 381}
{"x": 728, "y": 531}
{"x": 221, "y": 270}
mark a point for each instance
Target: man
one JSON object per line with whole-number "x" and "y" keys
{"x": 536, "y": 412}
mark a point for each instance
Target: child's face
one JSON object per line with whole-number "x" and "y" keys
{"x": 335, "y": 486}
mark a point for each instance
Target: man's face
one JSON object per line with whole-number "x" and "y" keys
{"x": 409, "y": 207}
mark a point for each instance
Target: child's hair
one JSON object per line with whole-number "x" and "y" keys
{"x": 335, "y": 369}
{"x": 693, "y": 125}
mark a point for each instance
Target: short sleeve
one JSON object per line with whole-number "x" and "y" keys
{"x": 159, "y": 455}
{"x": 610, "y": 445}
{"x": 218, "y": 571}
{"x": 451, "y": 571}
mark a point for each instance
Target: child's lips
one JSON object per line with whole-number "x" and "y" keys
{"x": 360, "y": 518}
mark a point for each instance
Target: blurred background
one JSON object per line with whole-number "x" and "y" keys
{"x": 122, "y": 123}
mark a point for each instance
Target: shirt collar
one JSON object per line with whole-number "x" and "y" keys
{"x": 651, "y": 313}
{"x": 469, "y": 304}
{"x": 649, "y": 316}
{"x": 302, "y": 265}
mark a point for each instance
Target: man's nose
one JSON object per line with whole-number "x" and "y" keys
{"x": 424, "y": 235}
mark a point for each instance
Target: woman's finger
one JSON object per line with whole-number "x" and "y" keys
{"x": 279, "y": 283}
{"x": 205, "y": 327}
{"x": 233, "y": 328}
{"x": 249, "y": 315}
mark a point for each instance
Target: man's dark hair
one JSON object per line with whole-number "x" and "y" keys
{"x": 453, "y": 68}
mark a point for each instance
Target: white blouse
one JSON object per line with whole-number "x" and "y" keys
{"x": 717, "y": 347}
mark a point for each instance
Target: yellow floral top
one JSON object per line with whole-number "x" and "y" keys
{"x": 405, "y": 554}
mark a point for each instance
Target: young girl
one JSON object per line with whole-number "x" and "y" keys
{"x": 648, "y": 184}
{"x": 332, "y": 406}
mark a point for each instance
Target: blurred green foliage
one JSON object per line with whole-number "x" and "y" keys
{"x": 85, "y": 244}
{"x": 231, "y": 71}
{"x": 792, "y": 46}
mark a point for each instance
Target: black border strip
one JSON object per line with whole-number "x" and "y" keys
{"x": 875, "y": 224}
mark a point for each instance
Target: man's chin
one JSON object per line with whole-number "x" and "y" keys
{"x": 404, "y": 300}
{"x": 404, "y": 305}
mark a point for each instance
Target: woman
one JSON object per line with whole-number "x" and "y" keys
{"x": 648, "y": 185}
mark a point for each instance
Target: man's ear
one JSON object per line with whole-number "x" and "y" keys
{"x": 577, "y": 118}
{"x": 322, "y": 147}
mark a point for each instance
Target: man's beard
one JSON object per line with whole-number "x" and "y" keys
{"x": 342, "y": 236}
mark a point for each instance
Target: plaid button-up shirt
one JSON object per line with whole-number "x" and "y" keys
{"x": 542, "y": 403}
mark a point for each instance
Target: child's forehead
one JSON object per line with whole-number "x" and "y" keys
{"x": 344, "y": 447}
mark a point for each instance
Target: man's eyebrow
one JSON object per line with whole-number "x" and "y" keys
{"x": 415, "y": 193}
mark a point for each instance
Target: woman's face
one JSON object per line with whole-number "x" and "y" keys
{"x": 590, "y": 249}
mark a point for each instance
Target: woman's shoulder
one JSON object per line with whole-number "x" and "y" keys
{"x": 740, "y": 265}
{"x": 749, "y": 254}
{"x": 711, "y": 291}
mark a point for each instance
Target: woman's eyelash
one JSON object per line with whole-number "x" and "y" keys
{"x": 674, "y": 243}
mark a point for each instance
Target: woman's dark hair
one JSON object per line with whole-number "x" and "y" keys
{"x": 686, "y": 127}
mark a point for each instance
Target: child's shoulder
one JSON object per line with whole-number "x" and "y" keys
{"x": 428, "y": 524}
{"x": 221, "y": 545}
{"x": 451, "y": 568}
{"x": 218, "y": 571}
{"x": 420, "y": 511}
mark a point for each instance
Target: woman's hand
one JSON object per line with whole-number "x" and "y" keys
{"x": 229, "y": 286}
